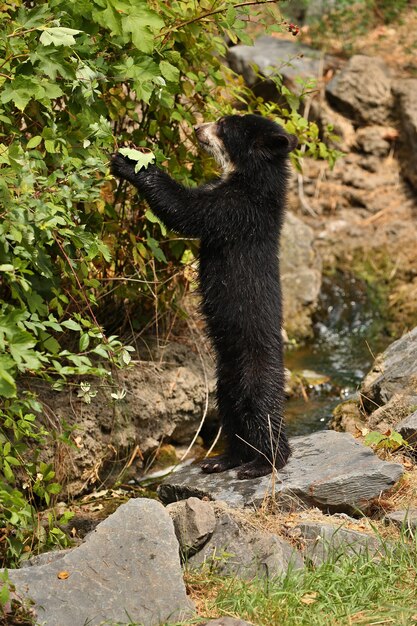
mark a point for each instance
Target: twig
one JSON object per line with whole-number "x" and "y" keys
{"x": 209, "y": 13}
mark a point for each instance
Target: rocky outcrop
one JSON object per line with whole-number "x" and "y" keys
{"x": 329, "y": 470}
{"x": 163, "y": 397}
{"x": 128, "y": 569}
{"x": 362, "y": 90}
{"x": 389, "y": 391}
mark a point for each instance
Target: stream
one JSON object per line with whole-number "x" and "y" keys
{"x": 348, "y": 334}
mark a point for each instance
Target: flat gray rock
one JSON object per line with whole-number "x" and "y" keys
{"x": 275, "y": 56}
{"x": 405, "y": 91}
{"x": 327, "y": 469}
{"x": 326, "y": 541}
{"x": 362, "y": 90}
{"x": 128, "y": 570}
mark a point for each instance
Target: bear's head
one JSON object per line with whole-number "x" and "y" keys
{"x": 239, "y": 141}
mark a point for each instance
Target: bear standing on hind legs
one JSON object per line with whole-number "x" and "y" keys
{"x": 238, "y": 219}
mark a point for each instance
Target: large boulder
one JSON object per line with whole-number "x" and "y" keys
{"x": 327, "y": 469}
{"x": 405, "y": 92}
{"x": 128, "y": 570}
{"x": 362, "y": 90}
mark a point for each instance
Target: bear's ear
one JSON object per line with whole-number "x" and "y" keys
{"x": 275, "y": 144}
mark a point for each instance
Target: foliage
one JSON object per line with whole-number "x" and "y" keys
{"x": 390, "y": 440}
{"x": 78, "y": 79}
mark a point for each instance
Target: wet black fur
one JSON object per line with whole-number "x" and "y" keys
{"x": 238, "y": 219}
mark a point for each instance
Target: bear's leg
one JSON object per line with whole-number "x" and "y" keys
{"x": 234, "y": 455}
{"x": 258, "y": 403}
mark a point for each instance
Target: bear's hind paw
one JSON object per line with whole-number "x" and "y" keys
{"x": 254, "y": 469}
{"x": 219, "y": 463}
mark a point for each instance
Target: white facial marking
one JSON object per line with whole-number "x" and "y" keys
{"x": 208, "y": 138}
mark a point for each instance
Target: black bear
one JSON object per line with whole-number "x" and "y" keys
{"x": 238, "y": 219}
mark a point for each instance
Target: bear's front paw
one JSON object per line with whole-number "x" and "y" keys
{"x": 122, "y": 167}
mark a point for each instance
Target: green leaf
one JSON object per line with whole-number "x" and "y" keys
{"x": 58, "y": 36}
{"x": 155, "y": 220}
{"x": 142, "y": 24}
{"x": 169, "y": 72}
{"x": 71, "y": 325}
{"x": 84, "y": 342}
{"x": 143, "y": 159}
{"x": 7, "y": 384}
{"x": 4, "y": 593}
{"x": 373, "y": 438}
{"x": 34, "y": 142}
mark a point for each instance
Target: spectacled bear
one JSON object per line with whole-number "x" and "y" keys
{"x": 238, "y": 219}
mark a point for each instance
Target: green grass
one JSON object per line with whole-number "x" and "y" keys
{"x": 343, "y": 591}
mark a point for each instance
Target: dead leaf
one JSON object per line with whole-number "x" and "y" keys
{"x": 309, "y": 598}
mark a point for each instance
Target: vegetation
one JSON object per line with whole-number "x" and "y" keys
{"x": 343, "y": 590}
{"x": 79, "y": 79}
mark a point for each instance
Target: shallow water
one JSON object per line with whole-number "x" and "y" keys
{"x": 348, "y": 333}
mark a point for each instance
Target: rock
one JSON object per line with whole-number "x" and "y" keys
{"x": 273, "y": 57}
{"x": 327, "y": 541}
{"x": 376, "y": 139}
{"x": 405, "y": 92}
{"x": 394, "y": 373}
{"x": 362, "y": 90}
{"x": 404, "y": 518}
{"x": 408, "y": 428}
{"x": 300, "y": 276}
{"x": 45, "y": 558}
{"x": 327, "y": 469}
{"x": 194, "y": 522}
{"x": 387, "y": 416}
{"x": 117, "y": 575}
{"x": 236, "y": 548}
{"x": 226, "y": 621}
